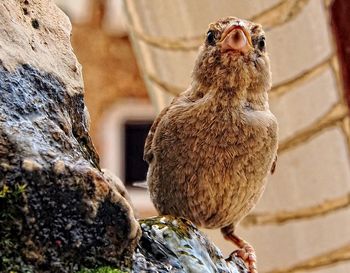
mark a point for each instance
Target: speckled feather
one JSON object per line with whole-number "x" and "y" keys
{"x": 210, "y": 151}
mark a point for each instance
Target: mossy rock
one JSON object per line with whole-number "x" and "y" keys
{"x": 102, "y": 270}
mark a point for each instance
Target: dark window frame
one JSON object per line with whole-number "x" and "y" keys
{"x": 135, "y": 133}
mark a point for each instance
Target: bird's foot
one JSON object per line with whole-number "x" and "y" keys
{"x": 246, "y": 252}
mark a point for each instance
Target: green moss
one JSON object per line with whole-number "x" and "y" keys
{"x": 102, "y": 270}
{"x": 7, "y": 193}
{"x": 180, "y": 226}
{"x": 11, "y": 202}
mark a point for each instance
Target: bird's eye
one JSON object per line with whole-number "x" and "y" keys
{"x": 262, "y": 43}
{"x": 211, "y": 37}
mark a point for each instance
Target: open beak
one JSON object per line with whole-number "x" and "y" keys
{"x": 237, "y": 39}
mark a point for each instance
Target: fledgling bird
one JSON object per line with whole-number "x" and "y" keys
{"x": 210, "y": 151}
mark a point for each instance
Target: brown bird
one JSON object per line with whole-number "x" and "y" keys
{"x": 210, "y": 151}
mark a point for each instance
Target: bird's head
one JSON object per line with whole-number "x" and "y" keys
{"x": 233, "y": 57}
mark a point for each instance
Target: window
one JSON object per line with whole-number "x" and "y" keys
{"x": 123, "y": 130}
{"x": 135, "y": 168}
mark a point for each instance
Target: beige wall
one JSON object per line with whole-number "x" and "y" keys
{"x": 110, "y": 72}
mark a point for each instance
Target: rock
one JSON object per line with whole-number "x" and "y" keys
{"x": 175, "y": 245}
{"x": 58, "y": 211}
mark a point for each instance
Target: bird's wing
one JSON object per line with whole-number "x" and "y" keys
{"x": 147, "y": 153}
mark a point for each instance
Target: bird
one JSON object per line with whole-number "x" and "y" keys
{"x": 211, "y": 150}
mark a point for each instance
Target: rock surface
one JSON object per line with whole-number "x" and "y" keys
{"x": 58, "y": 211}
{"x": 175, "y": 245}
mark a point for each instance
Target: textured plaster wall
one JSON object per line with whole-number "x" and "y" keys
{"x": 110, "y": 71}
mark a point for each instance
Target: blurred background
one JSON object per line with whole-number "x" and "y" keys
{"x": 138, "y": 54}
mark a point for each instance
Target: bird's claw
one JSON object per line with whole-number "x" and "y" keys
{"x": 247, "y": 254}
